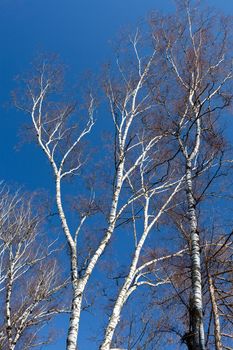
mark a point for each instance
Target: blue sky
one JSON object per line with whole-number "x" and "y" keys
{"x": 80, "y": 31}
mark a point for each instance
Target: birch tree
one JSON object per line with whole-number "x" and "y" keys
{"x": 29, "y": 284}
{"x": 130, "y": 99}
{"x": 218, "y": 260}
{"x": 201, "y": 71}
{"x": 138, "y": 274}
{"x": 60, "y": 135}
{"x": 198, "y": 87}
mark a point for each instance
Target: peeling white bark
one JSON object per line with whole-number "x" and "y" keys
{"x": 197, "y": 305}
{"x": 217, "y": 328}
{"x": 8, "y": 303}
{"x": 76, "y": 284}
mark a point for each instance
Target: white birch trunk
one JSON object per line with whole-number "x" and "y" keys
{"x": 128, "y": 286}
{"x": 80, "y": 284}
{"x": 123, "y": 295}
{"x": 217, "y": 329}
{"x": 111, "y": 223}
{"x": 197, "y": 308}
{"x": 115, "y": 318}
{"x": 71, "y": 343}
{"x": 8, "y": 304}
{"x": 76, "y": 307}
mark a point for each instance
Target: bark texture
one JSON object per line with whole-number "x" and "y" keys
{"x": 217, "y": 329}
{"x": 196, "y": 307}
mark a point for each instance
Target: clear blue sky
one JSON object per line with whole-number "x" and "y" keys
{"x": 79, "y": 31}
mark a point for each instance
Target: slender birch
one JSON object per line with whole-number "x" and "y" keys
{"x": 200, "y": 81}
{"x": 61, "y": 139}
{"x": 138, "y": 274}
{"x": 217, "y": 330}
{"x": 218, "y": 270}
{"x": 31, "y": 283}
